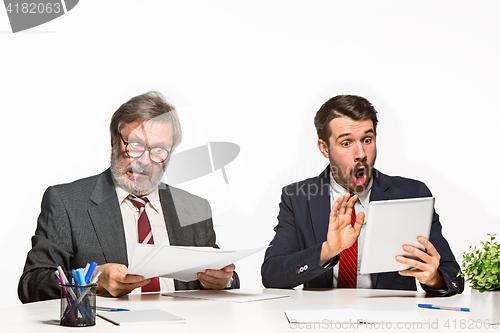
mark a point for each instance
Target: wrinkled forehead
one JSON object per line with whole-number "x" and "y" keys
{"x": 151, "y": 132}
{"x": 344, "y": 126}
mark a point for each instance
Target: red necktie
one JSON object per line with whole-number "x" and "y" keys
{"x": 145, "y": 236}
{"x": 348, "y": 264}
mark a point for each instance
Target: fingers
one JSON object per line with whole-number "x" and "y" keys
{"x": 360, "y": 218}
{"x": 431, "y": 278}
{"x": 410, "y": 262}
{"x": 342, "y": 206}
{"x": 352, "y": 200}
{"x": 342, "y": 202}
{"x": 118, "y": 289}
{"x": 426, "y": 270}
{"x": 229, "y": 268}
{"x": 348, "y": 204}
{"x": 117, "y": 282}
{"x": 334, "y": 222}
{"x": 431, "y": 256}
{"x": 216, "y": 279}
{"x": 334, "y": 212}
{"x": 431, "y": 250}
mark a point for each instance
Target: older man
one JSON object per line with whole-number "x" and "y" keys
{"x": 100, "y": 218}
{"x": 318, "y": 247}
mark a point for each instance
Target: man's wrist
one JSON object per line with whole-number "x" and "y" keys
{"x": 328, "y": 263}
{"x": 326, "y": 256}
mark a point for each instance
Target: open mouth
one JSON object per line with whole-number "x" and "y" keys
{"x": 135, "y": 174}
{"x": 360, "y": 176}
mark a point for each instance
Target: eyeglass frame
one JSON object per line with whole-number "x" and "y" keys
{"x": 126, "y": 143}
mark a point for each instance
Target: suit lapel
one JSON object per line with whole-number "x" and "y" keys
{"x": 380, "y": 187}
{"x": 170, "y": 211}
{"x": 319, "y": 204}
{"x": 106, "y": 218}
{"x": 319, "y": 208}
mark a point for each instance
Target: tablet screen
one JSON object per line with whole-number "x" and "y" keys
{"x": 390, "y": 224}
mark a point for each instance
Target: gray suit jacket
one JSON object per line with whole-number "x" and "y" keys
{"x": 81, "y": 222}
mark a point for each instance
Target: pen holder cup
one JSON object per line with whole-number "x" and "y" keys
{"x": 78, "y": 305}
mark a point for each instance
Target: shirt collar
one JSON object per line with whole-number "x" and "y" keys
{"x": 337, "y": 190}
{"x": 153, "y": 197}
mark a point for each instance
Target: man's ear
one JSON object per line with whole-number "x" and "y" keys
{"x": 323, "y": 148}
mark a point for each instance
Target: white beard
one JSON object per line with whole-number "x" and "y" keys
{"x": 119, "y": 170}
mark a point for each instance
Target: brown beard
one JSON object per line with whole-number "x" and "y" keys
{"x": 344, "y": 178}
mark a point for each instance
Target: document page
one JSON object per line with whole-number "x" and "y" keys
{"x": 372, "y": 317}
{"x": 142, "y": 317}
{"x": 181, "y": 262}
{"x": 224, "y": 295}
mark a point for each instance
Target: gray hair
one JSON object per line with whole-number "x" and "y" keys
{"x": 149, "y": 106}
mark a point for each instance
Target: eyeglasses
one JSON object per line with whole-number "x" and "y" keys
{"x": 136, "y": 150}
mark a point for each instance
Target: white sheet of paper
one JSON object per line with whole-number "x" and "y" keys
{"x": 224, "y": 295}
{"x": 351, "y": 316}
{"x": 372, "y": 317}
{"x": 181, "y": 262}
{"x": 142, "y": 317}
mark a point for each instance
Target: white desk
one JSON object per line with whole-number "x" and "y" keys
{"x": 260, "y": 316}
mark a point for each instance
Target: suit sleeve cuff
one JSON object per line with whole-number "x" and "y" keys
{"x": 329, "y": 263}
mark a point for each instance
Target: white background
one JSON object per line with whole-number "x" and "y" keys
{"x": 255, "y": 73}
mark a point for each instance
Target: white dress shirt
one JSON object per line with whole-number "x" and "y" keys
{"x": 364, "y": 281}
{"x": 130, "y": 216}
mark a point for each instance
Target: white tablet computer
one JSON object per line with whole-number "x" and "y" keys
{"x": 391, "y": 224}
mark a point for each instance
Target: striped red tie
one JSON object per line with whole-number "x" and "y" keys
{"x": 145, "y": 236}
{"x": 348, "y": 264}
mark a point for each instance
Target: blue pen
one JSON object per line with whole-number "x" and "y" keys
{"x": 76, "y": 280}
{"x": 442, "y": 307}
{"x": 90, "y": 272}
{"x": 81, "y": 278}
{"x": 103, "y": 308}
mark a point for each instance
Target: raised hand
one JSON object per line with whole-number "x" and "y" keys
{"x": 341, "y": 234}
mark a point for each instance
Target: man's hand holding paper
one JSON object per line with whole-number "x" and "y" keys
{"x": 116, "y": 281}
{"x": 216, "y": 279}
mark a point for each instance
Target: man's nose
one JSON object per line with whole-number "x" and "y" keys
{"x": 359, "y": 153}
{"x": 144, "y": 159}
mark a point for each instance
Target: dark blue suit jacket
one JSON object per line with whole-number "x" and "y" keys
{"x": 294, "y": 255}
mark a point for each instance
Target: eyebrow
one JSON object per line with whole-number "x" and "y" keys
{"x": 135, "y": 138}
{"x": 348, "y": 134}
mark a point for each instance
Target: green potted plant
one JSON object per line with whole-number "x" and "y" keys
{"x": 481, "y": 268}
